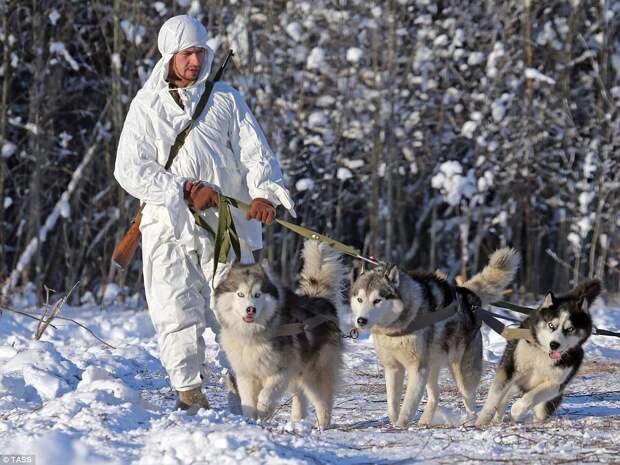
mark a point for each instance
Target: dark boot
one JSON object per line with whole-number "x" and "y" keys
{"x": 192, "y": 401}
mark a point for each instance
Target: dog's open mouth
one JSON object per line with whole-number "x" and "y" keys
{"x": 248, "y": 319}
{"x": 555, "y": 355}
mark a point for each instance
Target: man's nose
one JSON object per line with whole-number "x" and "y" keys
{"x": 196, "y": 60}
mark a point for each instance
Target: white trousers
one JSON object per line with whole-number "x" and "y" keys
{"x": 178, "y": 287}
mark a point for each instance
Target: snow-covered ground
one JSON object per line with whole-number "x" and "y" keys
{"x": 68, "y": 399}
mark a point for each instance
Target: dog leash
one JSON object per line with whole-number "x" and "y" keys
{"x": 514, "y": 307}
{"x": 292, "y": 329}
{"x": 527, "y": 310}
{"x": 507, "y": 332}
{"x": 485, "y": 316}
{"x": 308, "y": 233}
{"x": 427, "y": 319}
{"x": 226, "y": 235}
{"x": 420, "y": 322}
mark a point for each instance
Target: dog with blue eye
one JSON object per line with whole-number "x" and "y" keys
{"x": 253, "y": 307}
{"x": 541, "y": 368}
{"x": 388, "y": 301}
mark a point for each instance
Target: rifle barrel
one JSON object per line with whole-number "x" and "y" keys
{"x": 220, "y": 71}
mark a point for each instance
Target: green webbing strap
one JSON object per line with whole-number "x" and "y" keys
{"x": 304, "y": 231}
{"x": 226, "y": 235}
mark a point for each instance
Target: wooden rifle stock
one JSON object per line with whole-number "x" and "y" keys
{"x": 126, "y": 248}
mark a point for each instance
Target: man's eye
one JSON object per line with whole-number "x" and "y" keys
{"x": 376, "y": 301}
{"x": 552, "y": 326}
{"x": 240, "y": 294}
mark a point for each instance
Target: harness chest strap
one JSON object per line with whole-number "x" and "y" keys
{"x": 487, "y": 317}
{"x": 428, "y": 319}
{"x": 420, "y": 322}
{"x": 500, "y": 328}
{"x": 291, "y": 329}
{"x": 527, "y": 310}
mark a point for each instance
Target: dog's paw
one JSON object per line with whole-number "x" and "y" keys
{"x": 401, "y": 423}
{"x": 264, "y": 411}
{"x": 470, "y": 420}
{"x": 322, "y": 427}
{"x": 483, "y": 419}
{"x": 393, "y": 416}
{"x": 425, "y": 420}
{"x": 519, "y": 410}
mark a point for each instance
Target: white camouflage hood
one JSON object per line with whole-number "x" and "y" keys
{"x": 176, "y": 34}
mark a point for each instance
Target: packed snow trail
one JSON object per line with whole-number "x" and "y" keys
{"x": 70, "y": 400}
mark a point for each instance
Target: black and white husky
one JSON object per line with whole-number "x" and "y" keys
{"x": 386, "y": 301}
{"x": 253, "y": 307}
{"x": 541, "y": 369}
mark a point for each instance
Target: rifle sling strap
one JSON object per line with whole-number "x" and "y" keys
{"x": 180, "y": 140}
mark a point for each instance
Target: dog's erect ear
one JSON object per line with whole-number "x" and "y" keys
{"x": 584, "y": 306}
{"x": 356, "y": 272}
{"x": 549, "y": 300}
{"x": 393, "y": 277}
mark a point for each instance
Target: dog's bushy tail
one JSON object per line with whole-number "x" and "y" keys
{"x": 323, "y": 273}
{"x": 588, "y": 290}
{"x": 496, "y": 276}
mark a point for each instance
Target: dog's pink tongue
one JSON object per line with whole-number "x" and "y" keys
{"x": 555, "y": 355}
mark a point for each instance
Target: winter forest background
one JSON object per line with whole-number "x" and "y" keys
{"x": 426, "y": 133}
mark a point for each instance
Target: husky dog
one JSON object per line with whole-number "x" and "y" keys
{"x": 251, "y": 306}
{"x": 387, "y": 300}
{"x": 542, "y": 369}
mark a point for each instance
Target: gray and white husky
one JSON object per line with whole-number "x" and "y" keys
{"x": 542, "y": 369}
{"x": 387, "y": 300}
{"x": 251, "y": 306}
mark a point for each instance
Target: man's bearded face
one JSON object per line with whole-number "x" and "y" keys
{"x": 186, "y": 64}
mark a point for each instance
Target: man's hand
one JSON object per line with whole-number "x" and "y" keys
{"x": 200, "y": 195}
{"x": 261, "y": 210}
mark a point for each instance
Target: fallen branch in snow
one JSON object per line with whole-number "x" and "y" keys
{"x": 29, "y": 315}
{"x": 38, "y": 318}
{"x": 45, "y": 322}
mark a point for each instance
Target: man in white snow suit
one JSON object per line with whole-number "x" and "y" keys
{"x": 225, "y": 151}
